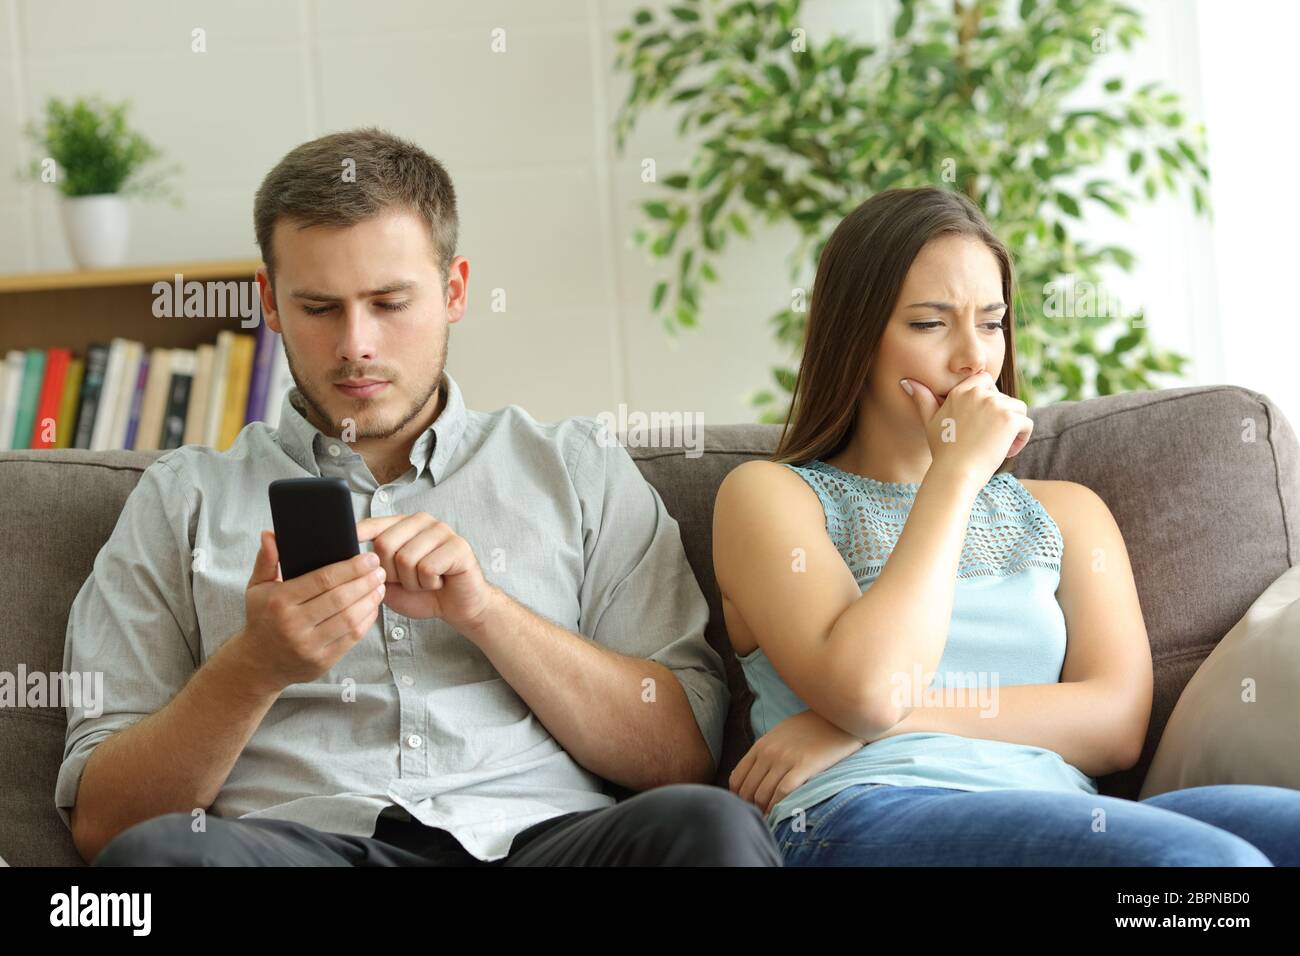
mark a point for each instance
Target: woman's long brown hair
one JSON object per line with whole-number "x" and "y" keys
{"x": 859, "y": 277}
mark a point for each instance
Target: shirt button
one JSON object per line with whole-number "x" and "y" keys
{"x": 414, "y": 741}
{"x": 397, "y": 633}
{"x": 407, "y": 680}
{"x": 381, "y": 494}
{"x": 334, "y": 451}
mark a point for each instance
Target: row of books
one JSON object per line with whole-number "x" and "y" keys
{"x": 124, "y": 395}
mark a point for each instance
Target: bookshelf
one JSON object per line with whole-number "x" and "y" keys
{"x": 85, "y": 362}
{"x": 72, "y": 309}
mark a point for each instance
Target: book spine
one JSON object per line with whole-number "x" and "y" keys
{"x": 137, "y": 399}
{"x": 45, "y": 426}
{"x": 10, "y": 389}
{"x": 131, "y": 355}
{"x": 67, "y": 427}
{"x": 106, "y": 411}
{"x": 178, "y": 399}
{"x": 33, "y": 375}
{"x": 241, "y": 369}
{"x": 263, "y": 358}
{"x": 91, "y": 389}
{"x": 196, "y": 415}
{"x": 217, "y": 389}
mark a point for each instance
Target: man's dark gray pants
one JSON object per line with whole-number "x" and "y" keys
{"x": 684, "y": 824}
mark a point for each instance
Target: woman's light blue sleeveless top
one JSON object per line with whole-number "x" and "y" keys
{"x": 1007, "y": 628}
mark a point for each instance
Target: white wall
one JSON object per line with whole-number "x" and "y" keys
{"x": 1248, "y": 59}
{"x": 547, "y": 209}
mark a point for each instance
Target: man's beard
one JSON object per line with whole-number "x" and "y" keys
{"x": 369, "y": 429}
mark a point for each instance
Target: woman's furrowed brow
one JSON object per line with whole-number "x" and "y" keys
{"x": 949, "y": 307}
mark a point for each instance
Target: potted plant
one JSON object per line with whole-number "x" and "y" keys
{"x": 97, "y": 162}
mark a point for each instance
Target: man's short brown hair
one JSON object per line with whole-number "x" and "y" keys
{"x": 344, "y": 178}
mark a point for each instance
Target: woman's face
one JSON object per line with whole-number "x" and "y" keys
{"x": 947, "y": 323}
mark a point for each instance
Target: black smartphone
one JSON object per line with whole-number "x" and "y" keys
{"x": 314, "y": 523}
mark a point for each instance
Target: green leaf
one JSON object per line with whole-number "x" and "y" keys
{"x": 1126, "y": 342}
{"x": 777, "y": 77}
{"x": 1114, "y": 84}
{"x": 664, "y": 244}
{"x": 685, "y": 14}
{"x": 1135, "y": 160}
{"x": 904, "y": 21}
{"x": 656, "y": 209}
{"x": 1069, "y": 205}
{"x": 642, "y": 17}
{"x": 1116, "y": 207}
{"x": 661, "y": 290}
{"x": 677, "y": 181}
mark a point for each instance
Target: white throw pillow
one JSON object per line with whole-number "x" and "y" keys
{"x": 1238, "y": 718}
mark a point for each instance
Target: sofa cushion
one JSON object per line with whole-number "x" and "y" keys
{"x": 1236, "y": 720}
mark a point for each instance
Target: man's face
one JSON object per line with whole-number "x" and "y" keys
{"x": 364, "y": 319}
{"x": 941, "y": 347}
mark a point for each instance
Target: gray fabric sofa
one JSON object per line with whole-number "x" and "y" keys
{"x": 1203, "y": 481}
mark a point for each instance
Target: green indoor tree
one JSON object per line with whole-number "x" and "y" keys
{"x": 801, "y": 128}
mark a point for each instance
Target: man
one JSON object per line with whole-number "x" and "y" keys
{"x": 522, "y": 621}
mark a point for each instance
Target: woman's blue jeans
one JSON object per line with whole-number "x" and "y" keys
{"x": 877, "y": 824}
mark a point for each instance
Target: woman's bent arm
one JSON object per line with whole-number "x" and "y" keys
{"x": 835, "y": 645}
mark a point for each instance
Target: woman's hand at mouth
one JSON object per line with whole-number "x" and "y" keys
{"x": 979, "y": 426}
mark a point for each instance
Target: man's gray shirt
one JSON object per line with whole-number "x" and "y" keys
{"x": 414, "y": 716}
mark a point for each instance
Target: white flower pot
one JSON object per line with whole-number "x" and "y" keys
{"x": 97, "y": 228}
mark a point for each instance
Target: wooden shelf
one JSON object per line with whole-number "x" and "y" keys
{"x": 73, "y": 309}
{"x": 126, "y": 275}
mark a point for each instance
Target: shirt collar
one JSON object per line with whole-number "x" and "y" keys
{"x": 304, "y": 442}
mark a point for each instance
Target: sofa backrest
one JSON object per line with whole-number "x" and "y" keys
{"x": 1203, "y": 482}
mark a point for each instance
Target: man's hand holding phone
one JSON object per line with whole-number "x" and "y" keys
{"x": 431, "y": 570}
{"x": 298, "y": 629}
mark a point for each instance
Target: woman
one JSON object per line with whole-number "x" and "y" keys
{"x": 899, "y": 601}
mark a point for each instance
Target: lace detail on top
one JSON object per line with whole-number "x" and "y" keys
{"x": 1009, "y": 528}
